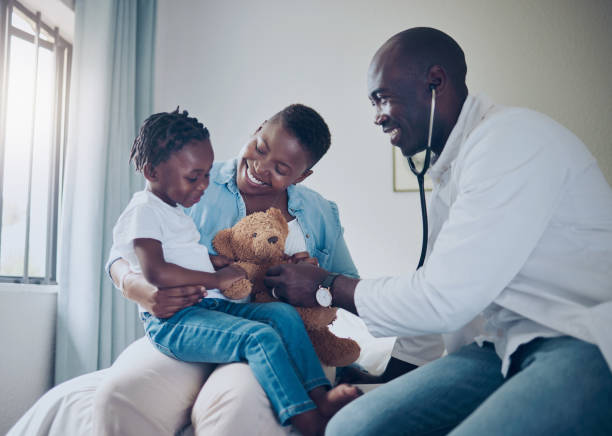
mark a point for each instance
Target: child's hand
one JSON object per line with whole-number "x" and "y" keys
{"x": 228, "y": 275}
{"x": 302, "y": 257}
{"x": 219, "y": 261}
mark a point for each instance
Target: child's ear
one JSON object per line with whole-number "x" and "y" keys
{"x": 302, "y": 177}
{"x": 223, "y": 243}
{"x": 149, "y": 172}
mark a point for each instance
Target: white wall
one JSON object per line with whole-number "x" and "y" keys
{"x": 27, "y": 341}
{"x": 233, "y": 64}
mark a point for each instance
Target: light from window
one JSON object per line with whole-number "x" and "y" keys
{"x": 35, "y": 81}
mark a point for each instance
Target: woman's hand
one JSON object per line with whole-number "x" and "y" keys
{"x": 303, "y": 257}
{"x": 162, "y": 303}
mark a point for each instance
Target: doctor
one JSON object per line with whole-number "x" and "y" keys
{"x": 518, "y": 272}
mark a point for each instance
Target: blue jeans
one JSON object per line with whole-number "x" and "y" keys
{"x": 271, "y": 337}
{"x": 555, "y": 386}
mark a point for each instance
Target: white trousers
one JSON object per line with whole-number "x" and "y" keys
{"x": 146, "y": 392}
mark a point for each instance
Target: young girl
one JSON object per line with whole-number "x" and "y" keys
{"x": 174, "y": 153}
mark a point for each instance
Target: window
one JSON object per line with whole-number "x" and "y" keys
{"x": 35, "y": 82}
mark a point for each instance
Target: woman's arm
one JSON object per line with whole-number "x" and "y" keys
{"x": 163, "y": 274}
{"x": 160, "y": 303}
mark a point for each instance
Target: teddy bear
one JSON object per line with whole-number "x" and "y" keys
{"x": 257, "y": 243}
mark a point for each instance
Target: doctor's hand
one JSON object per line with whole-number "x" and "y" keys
{"x": 297, "y": 284}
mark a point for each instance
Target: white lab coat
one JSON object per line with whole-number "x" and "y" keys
{"x": 520, "y": 242}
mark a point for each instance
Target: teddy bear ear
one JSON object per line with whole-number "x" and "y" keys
{"x": 276, "y": 214}
{"x": 223, "y": 243}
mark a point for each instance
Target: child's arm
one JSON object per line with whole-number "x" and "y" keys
{"x": 162, "y": 274}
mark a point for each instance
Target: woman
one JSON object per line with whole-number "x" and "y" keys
{"x": 145, "y": 392}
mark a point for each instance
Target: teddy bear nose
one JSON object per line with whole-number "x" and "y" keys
{"x": 273, "y": 240}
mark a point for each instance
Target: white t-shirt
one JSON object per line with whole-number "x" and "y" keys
{"x": 295, "y": 242}
{"x": 147, "y": 216}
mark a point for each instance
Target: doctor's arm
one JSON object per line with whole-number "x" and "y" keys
{"x": 298, "y": 285}
{"x": 505, "y": 201}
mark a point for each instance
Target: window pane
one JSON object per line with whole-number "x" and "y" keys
{"x": 46, "y": 36}
{"x": 16, "y": 158}
{"x": 41, "y": 166}
{"x": 21, "y": 21}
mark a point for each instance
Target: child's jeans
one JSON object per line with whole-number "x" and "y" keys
{"x": 271, "y": 337}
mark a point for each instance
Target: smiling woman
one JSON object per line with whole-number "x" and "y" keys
{"x": 275, "y": 157}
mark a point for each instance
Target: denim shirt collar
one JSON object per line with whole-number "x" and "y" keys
{"x": 227, "y": 176}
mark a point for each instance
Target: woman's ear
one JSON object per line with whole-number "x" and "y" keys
{"x": 260, "y": 127}
{"x": 302, "y": 177}
{"x": 149, "y": 172}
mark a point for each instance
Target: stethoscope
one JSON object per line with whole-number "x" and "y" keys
{"x": 420, "y": 175}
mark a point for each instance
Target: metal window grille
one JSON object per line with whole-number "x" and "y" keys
{"x": 34, "y": 83}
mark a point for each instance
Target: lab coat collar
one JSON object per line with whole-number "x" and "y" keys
{"x": 472, "y": 113}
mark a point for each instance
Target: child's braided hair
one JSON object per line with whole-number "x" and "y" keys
{"x": 162, "y": 134}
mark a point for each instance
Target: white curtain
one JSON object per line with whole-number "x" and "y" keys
{"x": 111, "y": 94}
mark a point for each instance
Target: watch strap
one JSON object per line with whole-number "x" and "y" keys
{"x": 329, "y": 280}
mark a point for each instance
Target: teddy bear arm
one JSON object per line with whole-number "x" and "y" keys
{"x": 250, "y": 268}
{"x": 238, "y": 290}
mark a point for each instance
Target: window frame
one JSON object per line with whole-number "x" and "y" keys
{"x": 62, "y": 50}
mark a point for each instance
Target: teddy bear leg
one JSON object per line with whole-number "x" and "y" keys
{"x": 239, "y": 289}
{"x": 317, "y": 317}
{"x": 332, "y": 350}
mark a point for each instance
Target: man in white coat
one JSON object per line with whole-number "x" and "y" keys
{"x": 518, "y": 272}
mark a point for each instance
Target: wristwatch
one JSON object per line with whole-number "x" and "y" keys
{"x": 324, "y": 295}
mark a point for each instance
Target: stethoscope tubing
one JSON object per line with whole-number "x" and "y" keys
{"x": 420, "y": 175}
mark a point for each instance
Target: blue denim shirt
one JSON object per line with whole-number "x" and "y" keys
{"x": 222, "y": 206}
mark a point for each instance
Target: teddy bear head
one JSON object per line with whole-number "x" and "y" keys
{"x": 258, "y": 237}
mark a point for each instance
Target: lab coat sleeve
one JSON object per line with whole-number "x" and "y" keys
{"x": 509, "y": 181}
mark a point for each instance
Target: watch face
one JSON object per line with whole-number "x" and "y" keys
{"x": 324, "y": 297}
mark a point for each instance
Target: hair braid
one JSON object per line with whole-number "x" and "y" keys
{"x": 163, "y": 134}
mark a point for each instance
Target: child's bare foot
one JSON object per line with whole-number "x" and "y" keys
{"x": 336, "y": 398}
{"x": 313, "y": 422}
